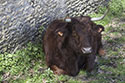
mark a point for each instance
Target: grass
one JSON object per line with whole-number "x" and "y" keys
{"x": 28, "y": 65}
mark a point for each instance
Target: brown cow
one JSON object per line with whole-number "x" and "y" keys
{"x": 72, "y": 44}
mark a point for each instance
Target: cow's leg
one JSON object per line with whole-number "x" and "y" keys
{"x": 74, "y": 70}
{"x": 57, "y": 70}
{"x": 90, "y": 63}
{"x": 81, "y": 62}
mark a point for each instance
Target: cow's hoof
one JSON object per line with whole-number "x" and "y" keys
{"x": 101, "y": 52}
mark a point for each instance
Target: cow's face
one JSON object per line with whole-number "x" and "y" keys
{"x": 75, "y": 36}
{"x": 81, "y": 38}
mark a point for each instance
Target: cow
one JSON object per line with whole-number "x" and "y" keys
{"x": 71, "y": 44}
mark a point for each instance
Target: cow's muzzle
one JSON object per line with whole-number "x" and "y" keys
{"x": 87, "y": 50}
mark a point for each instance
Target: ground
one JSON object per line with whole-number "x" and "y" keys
{"x": 28, "y": 65}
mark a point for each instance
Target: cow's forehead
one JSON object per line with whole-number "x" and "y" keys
{"x": 81, "y": 25}
{"x": 80, "y": 29}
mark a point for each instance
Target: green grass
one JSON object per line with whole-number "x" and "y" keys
{"x": 28, "y": 65}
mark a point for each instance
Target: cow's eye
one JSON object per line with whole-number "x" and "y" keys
{"x": 60, "y": 33}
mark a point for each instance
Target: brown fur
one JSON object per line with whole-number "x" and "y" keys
{"x": 63, "y": 42}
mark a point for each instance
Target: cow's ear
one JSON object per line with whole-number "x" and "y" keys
{"x": 100, "y": 28}
{"x": 60, "y": 33}
{"x": 61, "y": 28}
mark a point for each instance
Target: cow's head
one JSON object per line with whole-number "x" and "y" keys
{"x": 81, "y": 37}
{"x": 77, "y": 34}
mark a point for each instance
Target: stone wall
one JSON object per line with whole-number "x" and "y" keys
{"x": 21, "y": 19}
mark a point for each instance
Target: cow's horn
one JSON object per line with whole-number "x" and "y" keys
{"x": 100, "y": 18}
{"x": 67, "y": 19}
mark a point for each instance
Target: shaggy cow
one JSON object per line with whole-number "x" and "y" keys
{"x": 71, "y": 44}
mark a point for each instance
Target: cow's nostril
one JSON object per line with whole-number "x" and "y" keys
{"x": 87, "y": 50}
